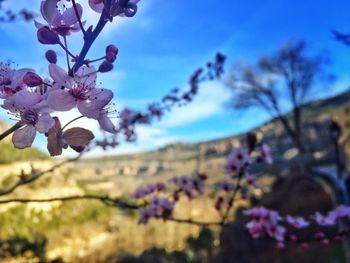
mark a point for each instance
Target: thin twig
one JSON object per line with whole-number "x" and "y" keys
{"x": 67, "y": 51}
{"x": 235, "y": 192}
{"x": 67, "y": 54}
{"x": 107, "y": 201}
{"x": 104, "y": 199}
{"x": 78, "y": 17}
{"x": 23, "y": 181}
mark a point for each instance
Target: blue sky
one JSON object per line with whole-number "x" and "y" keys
{"x": 167, "y": 40}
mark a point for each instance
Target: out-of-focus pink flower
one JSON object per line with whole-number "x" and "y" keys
{"x": 297, "y": 222}
{"x": 280, "y": 245}
{"x": 144, "y": 191}
{"x": 265, "y": 154}
{"x": 342, "y": 211}
{"x": 11, "y": 80}
{"x": 62, "y": 22}
{"x": 189, "y": 185}
{"x": 265, "y": 221}
{"x": 238, "y": 159}
{"x": 251, "y": 180}
{"x": 158, "y": 208}
{"x": 328, "y": 220}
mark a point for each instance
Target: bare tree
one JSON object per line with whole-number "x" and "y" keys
{"x": 279, "y": 83}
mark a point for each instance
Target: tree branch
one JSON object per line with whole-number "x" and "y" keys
{"x": 23, "y": 180}
{"x": 11, "y": 130}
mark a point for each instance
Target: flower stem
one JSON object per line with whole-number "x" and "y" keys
{"x": 11, "y": 130}
{"x": 75, "y": 119}
{"x": 90, "y": 38}
{"x": 78, "y": 17}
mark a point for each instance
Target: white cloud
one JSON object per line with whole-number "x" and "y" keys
{"x": 207, "y": 103}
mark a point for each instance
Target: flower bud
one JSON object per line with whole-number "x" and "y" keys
{"x": 130, "y": 10}
{"x": 112, "y": 48}
{"x": 51, "y": 56}
{"x": 111, "y": 53}
{"x": 105, "y": 67}
{"x": 280, "y": 246}
{"x": 47, "y": 37}
{"x": 111, "y": 57}
{"x": 32, "y": 80}
{"x": 325, "y": 242}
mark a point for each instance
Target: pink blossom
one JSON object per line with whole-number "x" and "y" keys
{"x": 189, "y": 184}
{"x": 80, "y": 90}
{"x": 328, "y": 220}
{"x": 238, "y": 159}
{"x": 251, "y": 180}
{"x": 265, "y": 154}
{"x": 11, "y": 80}
{"x": 342, "y": 211}
{"x": 33, "y": 115}
{"x": 158, "y": 208}
{"x": 297, "y": 222}
{"x": 280, "y": 246}
{"x": 144, "y": 191}
{"x": 63, "y": 22}
{"x": 265, "y": 221}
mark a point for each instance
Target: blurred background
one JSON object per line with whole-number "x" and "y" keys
{"x": 286, "y": 79}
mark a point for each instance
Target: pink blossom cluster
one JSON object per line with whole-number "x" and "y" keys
{"x": 144, "y": 191}
{"x": 271, "y": 223}
{"x": 158, "y": 207}
{"x": 265, "y": 221}
{"x": 188, "y": 185}
{"x": 240, "y": 158}
{"x": 330, "y": 219}
{"x": 32, "y": 99}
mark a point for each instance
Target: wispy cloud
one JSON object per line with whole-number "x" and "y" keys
{"x": 208, "y": 103}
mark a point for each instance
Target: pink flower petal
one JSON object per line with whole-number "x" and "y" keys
{"x": 58, "y": 74}
{"x": 48, "y": 9}
{"x": 61, "y": 100}
{"x": 25, "y": 99}
{"x": 96, "y": 7}
{"x": 106, "y": 123}
{"x": 69, "y": 16}
{"x": 101, "y": 97}
{"x": 44, "y": 123}
{"x": 24, "y": 137}
{"x": 88, "y": 109}
{"x": 86, "y": 75}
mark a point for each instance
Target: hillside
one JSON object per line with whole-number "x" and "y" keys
{"x": 317, "y": 115}
{"x": 9, "y": 154}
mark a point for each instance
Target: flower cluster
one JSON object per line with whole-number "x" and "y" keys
{"x": 265, "y": 221}
{"x": 271, "y": 223}
{"x": 158, "y": 207}
{"x": 32, "y": 100}
{"x": 144, "y": 191}
{"x": 188, "y": 185}
{"x": 241, "y": 158}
